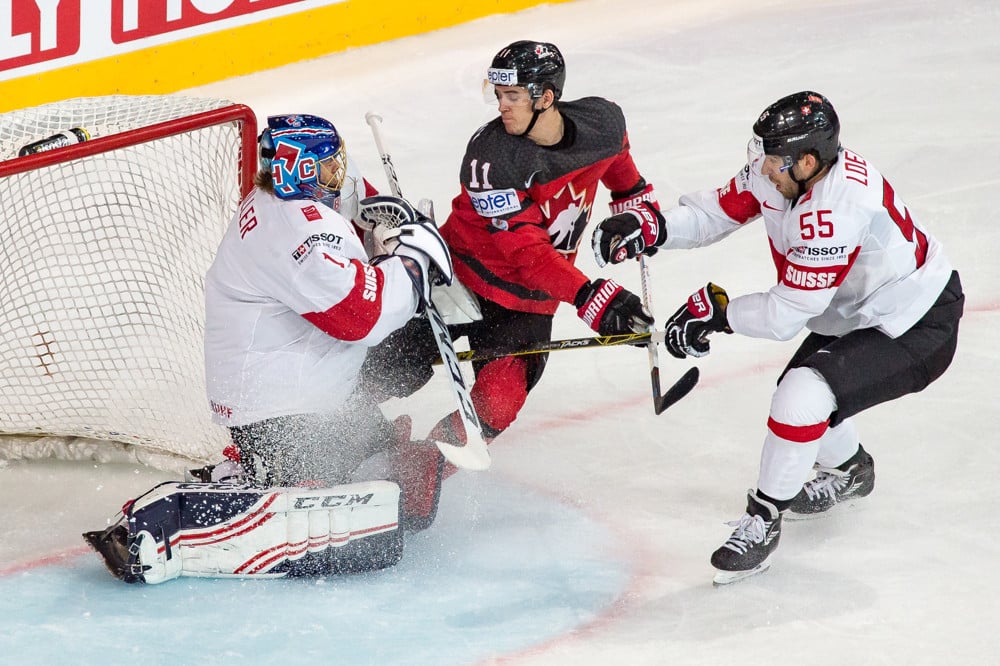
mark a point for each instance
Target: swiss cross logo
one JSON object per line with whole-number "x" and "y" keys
{"x": 312, "y": 214}
{"x": 33, "y": 31}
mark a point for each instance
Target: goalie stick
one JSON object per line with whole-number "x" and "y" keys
{"x": 474, "y": 454}
{"x": 687, "y": 381}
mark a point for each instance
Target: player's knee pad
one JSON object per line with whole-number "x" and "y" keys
{"x": 223, "y": 530}
{"x": 801, "y": 406}
{"x": 499, "y": 392}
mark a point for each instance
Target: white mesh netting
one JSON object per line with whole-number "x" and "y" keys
{"x": 102, "y": 261}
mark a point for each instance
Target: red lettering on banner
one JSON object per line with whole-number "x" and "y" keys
{"x": 38, "y": 30}
{"x": 138, "y": 19}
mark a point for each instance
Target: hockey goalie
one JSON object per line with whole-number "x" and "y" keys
{"x": 300, "y": 306}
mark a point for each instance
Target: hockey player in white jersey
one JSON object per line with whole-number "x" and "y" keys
{"x": 293, "y": 305}
{"x": 854, "y": 267}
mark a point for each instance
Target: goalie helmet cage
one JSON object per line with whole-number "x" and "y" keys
{"x": 103, "y": 250}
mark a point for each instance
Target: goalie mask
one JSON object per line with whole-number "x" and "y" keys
{"x": 306, "y": 158}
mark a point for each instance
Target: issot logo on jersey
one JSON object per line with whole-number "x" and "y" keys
{"x": 494, "y": 203}
{"x": 810, "y": 277}
{"x": 315, "y": 240}
{"x": 812, "y": 254}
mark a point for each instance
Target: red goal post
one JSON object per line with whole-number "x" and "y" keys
{"x": 103, "y": 250}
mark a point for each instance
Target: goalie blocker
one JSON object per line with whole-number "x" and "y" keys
{"x": 223, "y": 530}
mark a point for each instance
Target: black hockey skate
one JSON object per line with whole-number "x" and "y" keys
{"x": 853, "y": 479}
{"x": 746, "y": 551}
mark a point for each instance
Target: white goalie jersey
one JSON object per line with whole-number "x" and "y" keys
{"x": 292, "y": 305}
{"x": 849, "y": 253}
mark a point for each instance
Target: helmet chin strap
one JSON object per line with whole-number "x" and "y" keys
{"x": 535, "y": 113}
{"x": 534, "y": 119}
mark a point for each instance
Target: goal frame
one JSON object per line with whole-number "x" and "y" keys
{"x": 239, "y": 113}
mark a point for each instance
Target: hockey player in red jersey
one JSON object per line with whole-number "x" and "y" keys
{"x": 854, "y": 267}
{"x": 528, "y": 183}
{"x": 294, "y": 302}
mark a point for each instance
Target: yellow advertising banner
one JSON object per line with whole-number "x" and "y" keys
{"x": 58, "y": 49}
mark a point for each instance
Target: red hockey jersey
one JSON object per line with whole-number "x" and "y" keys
{"x": 515, "y": 227}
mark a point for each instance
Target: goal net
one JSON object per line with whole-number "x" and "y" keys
{"x": 103, "y": 249}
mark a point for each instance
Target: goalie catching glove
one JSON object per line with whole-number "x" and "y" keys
{"x": 705, "y": 312}
{"x": 610, "y": 309}
{"x": 402, "y": 231}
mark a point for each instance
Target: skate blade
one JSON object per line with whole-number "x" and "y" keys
{"x": 728, "y": 577}
{"x": 848, "y": 504}
{"x": 800, "y": 517}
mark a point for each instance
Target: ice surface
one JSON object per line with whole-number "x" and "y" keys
{"x": 588, "y": 541}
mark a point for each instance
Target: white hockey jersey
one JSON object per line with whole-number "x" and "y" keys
{"x": 292, "y": 306}
{"x": 849, "y": 253}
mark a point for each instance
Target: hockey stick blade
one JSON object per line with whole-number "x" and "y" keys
{"x": 680, "y": 389}
{"x": 467, "y": 457}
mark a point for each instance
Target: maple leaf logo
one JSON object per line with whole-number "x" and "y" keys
{"x": 568, "y": 212}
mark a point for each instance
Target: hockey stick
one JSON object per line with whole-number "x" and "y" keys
{"x": 474, "y": 454}
{"x": 687, "y": 381}
{"x": 637, "y": 339}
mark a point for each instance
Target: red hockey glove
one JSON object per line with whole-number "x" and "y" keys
{"x": 638, "y": 230}
{"x": 611, "y": 310}
{"x": 622, "y": 201}
{"x": 705, "y": 312}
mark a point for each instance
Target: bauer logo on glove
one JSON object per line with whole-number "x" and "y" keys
{"x": 703, "y": 313}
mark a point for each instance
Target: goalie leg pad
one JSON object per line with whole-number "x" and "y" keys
{"x": 223, "y": 530}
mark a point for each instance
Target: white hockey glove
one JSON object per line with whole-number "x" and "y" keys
{"x": 404, "y": 232}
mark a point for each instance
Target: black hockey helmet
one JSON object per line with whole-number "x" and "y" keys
{"x": 797, "y": 124}
{"x": 532, "y": 65}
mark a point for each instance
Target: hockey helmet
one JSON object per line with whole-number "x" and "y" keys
{"x": 305, "y": 156}
{"x": 797, "y": 124}
{"x": 536, "y": 66}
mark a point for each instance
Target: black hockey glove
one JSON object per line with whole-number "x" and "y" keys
{"x": 638, "y": 230}
{"x": 611, "y": 310}
{"x": 705, "y": 312}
